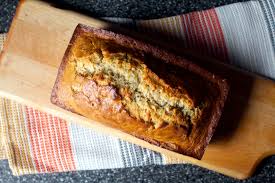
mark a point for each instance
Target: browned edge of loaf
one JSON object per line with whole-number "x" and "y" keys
{"x": 165, "y": 56}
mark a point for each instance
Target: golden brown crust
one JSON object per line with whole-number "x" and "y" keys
{"x": 170, "y": 137}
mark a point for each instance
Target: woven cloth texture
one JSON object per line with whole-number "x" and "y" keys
{"x": 2, "y": 142}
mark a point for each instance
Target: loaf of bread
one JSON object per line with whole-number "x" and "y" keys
{"x": 140, "y": 89}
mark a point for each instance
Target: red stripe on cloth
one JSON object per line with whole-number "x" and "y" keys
{"x": 67, "y": 144}
{"x": 54, "y": 144}
{"x": 50, "y": 142}
{"x": 32, "y": 140}
{"x": 190, "y": 33}
{"x": 221, "y": 42}
{"x": 198, "y": 31}
{"x": 191, "y": 27}
{"x": 41, "y": 136}
{"x": 213, "y": 39}
{"x": 31, "y": 123}
{"x": 211, "y": 50}
{"x": 204, "y": 34}
{"x": 59, "y": 139}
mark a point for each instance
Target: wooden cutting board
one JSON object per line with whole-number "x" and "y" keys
{"x": 36, "y": 43}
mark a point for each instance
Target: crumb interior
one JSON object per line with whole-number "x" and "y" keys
{"x": 117, "y": 78}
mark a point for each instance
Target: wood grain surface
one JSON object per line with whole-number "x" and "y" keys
{"x": 35, "y": 46}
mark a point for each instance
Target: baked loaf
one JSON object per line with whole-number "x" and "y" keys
{"x": 140, "y": 89}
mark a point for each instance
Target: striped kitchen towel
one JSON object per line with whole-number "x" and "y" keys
{"x": 242, "y": 34}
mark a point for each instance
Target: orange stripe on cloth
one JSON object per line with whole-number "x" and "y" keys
{"x": 52, "y": 151}
{"x": 204, "y": 33}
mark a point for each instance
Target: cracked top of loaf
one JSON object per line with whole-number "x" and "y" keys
{"x": 139, "y": 89}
